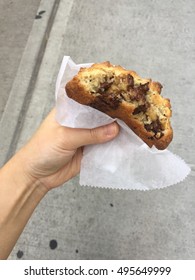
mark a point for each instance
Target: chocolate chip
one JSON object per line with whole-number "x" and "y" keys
{"x": 155, "y": 126}
{"x": 139, "y": 109}
{"x": 112, "y": 101}
{"x": 144, "y": 87}
{"x": 130, "y": 82}
{"x": 106, "y": 102}
{"x": 137, "y": 94}
{"x": 104, "y": 86}
{"x": 148, "y": 127}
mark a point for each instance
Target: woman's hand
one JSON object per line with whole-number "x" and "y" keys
{"x": 53, "y": 155}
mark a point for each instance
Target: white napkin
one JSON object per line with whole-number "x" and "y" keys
{"x": 123, "y": 163}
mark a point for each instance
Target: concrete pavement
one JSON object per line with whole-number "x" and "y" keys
{"x": 156, "y": 39}
{"x": 16, "y": 19}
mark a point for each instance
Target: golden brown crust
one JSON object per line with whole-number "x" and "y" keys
{"x": 122, "y": 94}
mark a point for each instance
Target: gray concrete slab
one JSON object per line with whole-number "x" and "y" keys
{"x": 20, "y": 95}
{"x": 156, "y": 39}
{"x": 16, "y": 19}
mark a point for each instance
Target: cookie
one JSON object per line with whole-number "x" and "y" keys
{"x": 122, "y": 94}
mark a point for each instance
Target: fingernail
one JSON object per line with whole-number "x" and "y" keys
{"x": 110, "y": 129}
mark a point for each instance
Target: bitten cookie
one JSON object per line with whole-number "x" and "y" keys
{"x": 122, "y": 94}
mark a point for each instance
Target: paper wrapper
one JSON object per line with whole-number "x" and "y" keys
{"x": 123, "y": 163}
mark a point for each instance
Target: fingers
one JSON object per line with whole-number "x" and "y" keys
{"x": 82, "y": 137}
{"x": 77, "y": 137}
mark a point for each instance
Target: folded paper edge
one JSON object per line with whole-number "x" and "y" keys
{"x": 188, "y": 169}
{"x": 134, "y": 189}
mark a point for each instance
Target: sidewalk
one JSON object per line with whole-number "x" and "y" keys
{"x": 16, "y": 19}
{"x": 155, "y": 38}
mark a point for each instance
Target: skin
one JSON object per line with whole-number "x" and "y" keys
{"x": 50, "y": 158}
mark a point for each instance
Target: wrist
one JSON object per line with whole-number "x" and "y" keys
{"x": 21, "y": 163}
{"x": 19, "y": 196}
{"x": 19, "y": 189}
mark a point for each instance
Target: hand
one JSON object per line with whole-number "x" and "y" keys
{"x": 53, "y": 155}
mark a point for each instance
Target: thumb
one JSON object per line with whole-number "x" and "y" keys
{"x": 81, "y": 137}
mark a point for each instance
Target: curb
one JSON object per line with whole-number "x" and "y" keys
{"x": 43, "y": 97}
{"x": 22, "y": 89}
